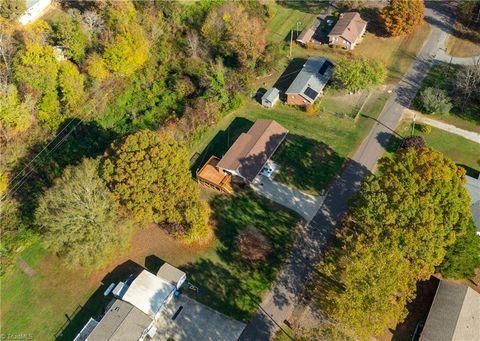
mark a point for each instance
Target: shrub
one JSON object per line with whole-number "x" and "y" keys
{"x": 435, "y": 100}
{"x": 426, "y": 129}
{"x": 416, "y": 142}
{"x": 253, "y": 245}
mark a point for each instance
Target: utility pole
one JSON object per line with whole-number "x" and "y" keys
{"x": 413, "y": 124}
{"x": 291, "y": 43}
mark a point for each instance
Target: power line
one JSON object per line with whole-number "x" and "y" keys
{"x": 19, "y": 184}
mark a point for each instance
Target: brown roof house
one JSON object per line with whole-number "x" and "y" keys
{"x": 245, "y": 158}
{"x": 348, "y": 31}
{"x": 308, "y": 33}
{"x": 454, "y": 314}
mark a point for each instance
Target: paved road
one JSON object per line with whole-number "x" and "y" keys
{"x": 287, "y": 289}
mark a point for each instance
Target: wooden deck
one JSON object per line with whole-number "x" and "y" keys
{"x": 210, "y": 177}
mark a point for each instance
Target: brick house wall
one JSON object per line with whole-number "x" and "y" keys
{"x": 295, "y": 99}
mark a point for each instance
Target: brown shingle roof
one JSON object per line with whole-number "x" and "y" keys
{"x": 350, "y": 26}
{"x": 251, "y": 150}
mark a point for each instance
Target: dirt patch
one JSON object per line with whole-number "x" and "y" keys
{"x": 26, "y": 269}
{"x": 152, "y": 240}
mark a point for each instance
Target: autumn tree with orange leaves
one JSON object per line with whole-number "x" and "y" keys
{"x": 401, "y": 17}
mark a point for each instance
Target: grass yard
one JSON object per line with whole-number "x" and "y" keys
{"x": 39, "y": 305}
{"x": 463, "y": 114}
{"x": 320, "y": 142}
{"x": 226, "y": 282}
{"x": 284, "y": 20}
{"x": 459, "y": 47}
{"x": 464, "y": 152}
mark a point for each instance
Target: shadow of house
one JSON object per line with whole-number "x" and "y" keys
{"x": 307, "y": 164}
{"x": 288, "y": 75}
{"x": 96, "y": 304}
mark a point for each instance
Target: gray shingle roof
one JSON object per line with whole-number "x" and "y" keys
{"x": 309, "y": 77}
{"x": 473, "y": 189}
{"x": 271, "y": 95}
{"x": 121, "y": 322}
{"x": 454, "y": 314}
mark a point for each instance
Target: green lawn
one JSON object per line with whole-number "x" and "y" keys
{"x": 464, "y": 152}
{"x": 318, "y": 146}
{"x": 464, "y": 114}
{"x": 39, "y": 305}
{"x": 286, "y": 17}
{"x": 226, "y": 282}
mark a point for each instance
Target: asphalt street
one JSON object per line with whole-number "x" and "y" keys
{"x": 279, "y": 303}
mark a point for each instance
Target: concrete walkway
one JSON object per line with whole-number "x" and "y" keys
{"x": 469, "y": 135}
{"x": 304, "y": 204}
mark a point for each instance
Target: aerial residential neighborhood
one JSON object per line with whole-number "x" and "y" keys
{"x": 240, "y": 170}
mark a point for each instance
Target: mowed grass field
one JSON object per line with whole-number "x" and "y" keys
{"x": 320, "y": 138}
{"x": 285, "y": 18}
{"x": 57, "y": 297}
{"x": 459, "y": 149}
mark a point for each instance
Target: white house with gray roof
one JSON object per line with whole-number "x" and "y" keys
{"x": 308, "y": 85}
{"x": 454, "y": 314}
{"x": 270, "y": 98}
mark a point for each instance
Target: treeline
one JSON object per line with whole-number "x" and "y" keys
{"x": 93, "y": 72}
{"x": 407, "y": 221}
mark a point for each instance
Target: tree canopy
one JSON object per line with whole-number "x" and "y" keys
{"x": 399, "y": 227}
{"x": 359, "y": 73}
{"x": 401, "y": 17}
{"x": 148, "y": 173}
{"x": 463, "y": 257}
{"x": 79, "y": 218}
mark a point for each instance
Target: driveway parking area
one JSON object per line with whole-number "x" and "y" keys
{"x": 195, "y": 322}
{"x": 304, "y": 204}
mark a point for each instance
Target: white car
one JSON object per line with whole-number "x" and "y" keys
{"x": 268, "y": 169}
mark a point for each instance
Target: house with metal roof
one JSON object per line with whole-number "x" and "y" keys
{"x": 473, "y": 188}
{"x": 308, "y": 85}
{"x": 270, "y": 98}
{"x": 454, "y": 314}
{"x": 348, "y": 31}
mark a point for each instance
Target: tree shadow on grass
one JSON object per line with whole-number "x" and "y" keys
{"x": 307, "y": 164}
{"x": 307, "y": 6}
{"x": 74, "y": 140}
{"x": 96, "y": 305}
{"x": 232, "y": 285}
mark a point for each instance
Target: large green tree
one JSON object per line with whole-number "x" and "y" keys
{"x": 398, "y": 230}
{"x": 149, "y": 174}
{"x": 79, "y": 218}
{"x": 359, "y": 73}
{"x": 68, "y": 33}
{"x": 463, "y": 257}
{"x": 401, "y": 17}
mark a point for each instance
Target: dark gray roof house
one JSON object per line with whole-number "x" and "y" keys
{"x": 473, "y": 189}
{"x": 122, "y": 322}
{"x": 454, "y": 314}
{"x": 311, "y": 80}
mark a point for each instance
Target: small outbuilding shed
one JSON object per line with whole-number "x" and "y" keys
{"x": 270, "y": 98}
